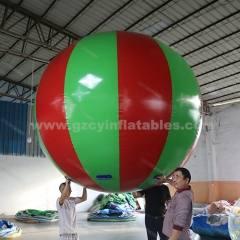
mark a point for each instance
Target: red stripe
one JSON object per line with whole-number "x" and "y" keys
{"x": 145, "y": 94}
{"x": 50, "y": 110}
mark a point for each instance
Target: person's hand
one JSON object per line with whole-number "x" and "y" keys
{"x": 167, "y": 202}
{"x": 68, "y": 186}
{"x": 68, "y": 180}
{"x": 161, "y": 179}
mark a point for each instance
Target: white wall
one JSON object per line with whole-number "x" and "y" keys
{"x": 227, "y": 141}
{"x": 32, "y": 183}
{"x": 198, "y": 161}
{"x": 217, "y": 154}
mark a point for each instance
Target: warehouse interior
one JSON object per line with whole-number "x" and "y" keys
{"x": 205, "y": 33}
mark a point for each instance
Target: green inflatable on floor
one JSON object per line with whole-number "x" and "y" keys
{"x": 93, "y": 219}
{"x": 36, "y": 216}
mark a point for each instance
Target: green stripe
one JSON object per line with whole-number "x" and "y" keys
{"x": 186, "y": 108}
{"x": 91, "y": 98}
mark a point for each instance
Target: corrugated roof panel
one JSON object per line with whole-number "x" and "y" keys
{"x": 5, "y": 67}
{"x": 44, "y": 53}
{"x": 201, "y": 21}
{"x": 60, "y": 41}
{"x": 96, "y": 14}
{"x": 16, "y": 75}
{"x": 170, "y": 12}
{"x": 36, "y": 33}
{"x": 64, "y": 11}
{"x": 26, "y": 67}
{"x": 184, "y": 50}
{"x": 129, "y": 16}
{"x": 234, "y": 57}
{"x": 212, "y": 65}
{"x": 36, "y": 80}
{"x": 9, "y": 24}
{"x": 29, "y": 47}
{"x": 19, "y": 28}
{"x": 67, "y": 10}
{"x": 3, "y": 87}
{"x": 6, "y": 41}
{"x": 37, "y": 7}
{"x": 9, "y": 66}
{"x": 15, "y": 1}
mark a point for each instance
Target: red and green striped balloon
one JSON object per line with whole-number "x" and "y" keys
{"x": 115, "y": 109}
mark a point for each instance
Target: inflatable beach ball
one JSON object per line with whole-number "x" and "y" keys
{"x": 116, "y": 109}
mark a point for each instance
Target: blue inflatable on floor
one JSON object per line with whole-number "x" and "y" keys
{"x": 9, "y": 230}
{"x": 201, "y": 226}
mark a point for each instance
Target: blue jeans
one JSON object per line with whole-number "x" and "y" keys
{"x": 154, "y": 226}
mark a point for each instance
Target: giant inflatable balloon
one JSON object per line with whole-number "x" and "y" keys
{"x": 116, "y": 109}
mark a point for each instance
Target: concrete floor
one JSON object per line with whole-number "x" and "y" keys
{"x": 90, "y": 230}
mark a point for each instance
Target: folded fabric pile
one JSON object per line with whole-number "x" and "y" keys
{"x": 9, "y": 230}
{"x": 114, "y": 207}
{"x": 36, "y": 216}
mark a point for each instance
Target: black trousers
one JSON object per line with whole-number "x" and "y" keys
{"x": 154, "y": 226}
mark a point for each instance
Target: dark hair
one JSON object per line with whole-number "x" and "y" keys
{"x": 100, "y": 197}
{"x": 61, "y": 186}
{"x": 185, "y": 173}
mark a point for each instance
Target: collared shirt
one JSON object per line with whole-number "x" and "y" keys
{"x": 67, "y": 216}
{"x": 179, "y": 213}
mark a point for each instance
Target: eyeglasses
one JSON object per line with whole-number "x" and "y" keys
{"x": 176, "y": 177}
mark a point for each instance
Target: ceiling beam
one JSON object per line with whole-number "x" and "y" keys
{"x": 210, "y": 43}
{"x": 174, "y": 24}
{"x": 24, "y": 55}
{"x": 39, "y": 19}
{"x": 10, "y": 15}
{"x": 14, "y": 97}
{"x": 215, "y": 69}
{"x": 118, "y": 11}
{"x": 16, "y": 83}
{"x": 229, "y": 94}
{"x": 231, "y": 75}
{"x": 50, "y": 37}
{"x": 216, "y": 57}
{"x": 203, "y": 29}
{"x": 219, "y": 89}
{"x": 162, "y": 6}
{"x": 30, "y": 40}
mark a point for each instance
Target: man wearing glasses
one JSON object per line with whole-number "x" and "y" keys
{"x": 179, "y": 213}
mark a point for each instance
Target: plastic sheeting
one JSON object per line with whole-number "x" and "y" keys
{"x": 13, "y": 125}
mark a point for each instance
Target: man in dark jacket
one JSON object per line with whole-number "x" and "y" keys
{"x": 155, "y": 210}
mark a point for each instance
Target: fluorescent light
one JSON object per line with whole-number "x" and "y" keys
{"x": 224, "y": 102}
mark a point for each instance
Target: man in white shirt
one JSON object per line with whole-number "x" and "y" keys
{"x": 67, "y": 212}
